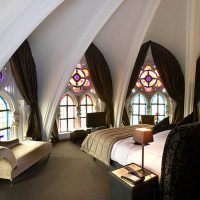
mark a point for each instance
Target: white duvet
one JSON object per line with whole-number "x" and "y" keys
{"x": 125, "y": 152}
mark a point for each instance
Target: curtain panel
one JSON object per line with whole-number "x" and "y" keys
{"x": 101, "y": 79}
{"x": 171, "y": 76}
{"x": 24, "y": 72}
{"x": 134, "y": 77}
{"x": 197, "y": 90}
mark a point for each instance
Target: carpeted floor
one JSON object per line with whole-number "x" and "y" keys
{"x": 69, "y": 174}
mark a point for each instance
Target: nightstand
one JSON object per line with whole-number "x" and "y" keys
{"x": 121, "y": 189}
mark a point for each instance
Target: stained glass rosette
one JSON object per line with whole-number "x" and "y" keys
{"x": 80, "y": 80}
{"x": 149, "y": 79}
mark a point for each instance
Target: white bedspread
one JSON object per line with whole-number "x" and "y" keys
{"x": 125, "y": 152}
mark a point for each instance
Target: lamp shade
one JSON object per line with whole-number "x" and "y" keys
{"x": 143, "y": 135}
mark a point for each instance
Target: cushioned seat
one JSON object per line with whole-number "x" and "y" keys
{"x": 17, "y": 158}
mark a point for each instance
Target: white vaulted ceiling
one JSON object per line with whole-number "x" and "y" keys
{"x": 61, "y": 31}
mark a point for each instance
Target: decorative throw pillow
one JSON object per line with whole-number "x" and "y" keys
{"x": 161, "y": 126}
{"x": 172, "y": 125}
{"x": 187, "y": 120}
{"x": 10, "y": 143}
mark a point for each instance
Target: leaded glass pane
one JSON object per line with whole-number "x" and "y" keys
{"x": 70, "y": 101}
{"x": 162, "y": 109}
{"x": 153, "y": 82}
{"x": 142, "y": 109}
{"x": 83, "y": 122}
{"x": 154, "y": 109}
{"x": 135, "y": 109}
{"x": 144, "y": 74}
{"x": 136, "y": 99}
{"x": 152, "y": 74}
{"x": 71, "y": 112}
{"x": 83, "y": 111}
{"x": 63, "y": 126}
{"x": 89, "y": 109}
{"x": 161, "y": 99}
{"x": 135, "y": 120}
{"x": 89, "y": 100}
{"x": 63, "y": 113}
{"x": 142, "y": 99}
{"x": 63, "y": 101}
{"x": 83, "y": 101}
{"x": 70, "y": 124}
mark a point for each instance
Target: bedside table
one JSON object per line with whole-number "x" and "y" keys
{"x": 121, "y": 189}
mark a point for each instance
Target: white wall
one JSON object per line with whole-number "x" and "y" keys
{"x": 168, "y": 28}
{"x": 120, "y": 40}
{"x": 59, "y": 43}
{"x": 18, "y": 18}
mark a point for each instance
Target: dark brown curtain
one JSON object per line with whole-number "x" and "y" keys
{"x": 197, "y": 90}
{"x": 134, "y": 77}
{"x": 24, "y": 72}
{"x": 55, "y": 130}
{"x": 101, "y": 79}
{"x": 171, "y": 76}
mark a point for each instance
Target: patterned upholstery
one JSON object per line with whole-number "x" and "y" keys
{"x": 180, "y": 173}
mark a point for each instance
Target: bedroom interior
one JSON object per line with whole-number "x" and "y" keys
{"x": 88, "y": 87}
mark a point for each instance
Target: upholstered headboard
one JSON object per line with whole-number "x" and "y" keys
{"x": 180, "y": 173}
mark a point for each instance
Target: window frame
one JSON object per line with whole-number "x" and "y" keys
{"x": 86, "y": 105}
{"x": 159, "y": 93}
{"x": 7, "y": 110}
{"x": 66, "y": 106}
{"x": 139, "y": 105}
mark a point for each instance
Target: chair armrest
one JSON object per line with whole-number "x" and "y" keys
{"x": 10, "y": 143}
{"x": 7, "y": 154}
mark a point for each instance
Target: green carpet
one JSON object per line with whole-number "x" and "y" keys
{"x": 69, "y": 174}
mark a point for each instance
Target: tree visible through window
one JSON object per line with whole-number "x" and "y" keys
{"x": 4, "y": 119}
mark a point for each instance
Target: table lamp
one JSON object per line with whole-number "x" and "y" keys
{"x": 143, "y": 136}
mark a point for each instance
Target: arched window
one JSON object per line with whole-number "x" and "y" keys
{"x": 139, "y": 107}
{"x": 86, "y": 106}
{"x": 67, "y": 114}
{"x": 149, "y": 95}
{"x": 158, "y": 106}
{"x": 4, "y": 119}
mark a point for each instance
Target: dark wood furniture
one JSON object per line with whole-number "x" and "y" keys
{"x": 121, "y": 189}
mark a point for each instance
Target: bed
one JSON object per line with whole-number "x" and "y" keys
{"x": 116, "y": 144}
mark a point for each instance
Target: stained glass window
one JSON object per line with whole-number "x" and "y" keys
{"x": 86, "y": 106}
{"x": 158, "y": 106}
{"x": 149, "y": 95}
{"x": 139, "y": 107}
{"x": 149, "y": 80}
{"x": 67, "y": 114}
{"x": 4, "y": 119}
{"x": 80, "y": 80}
